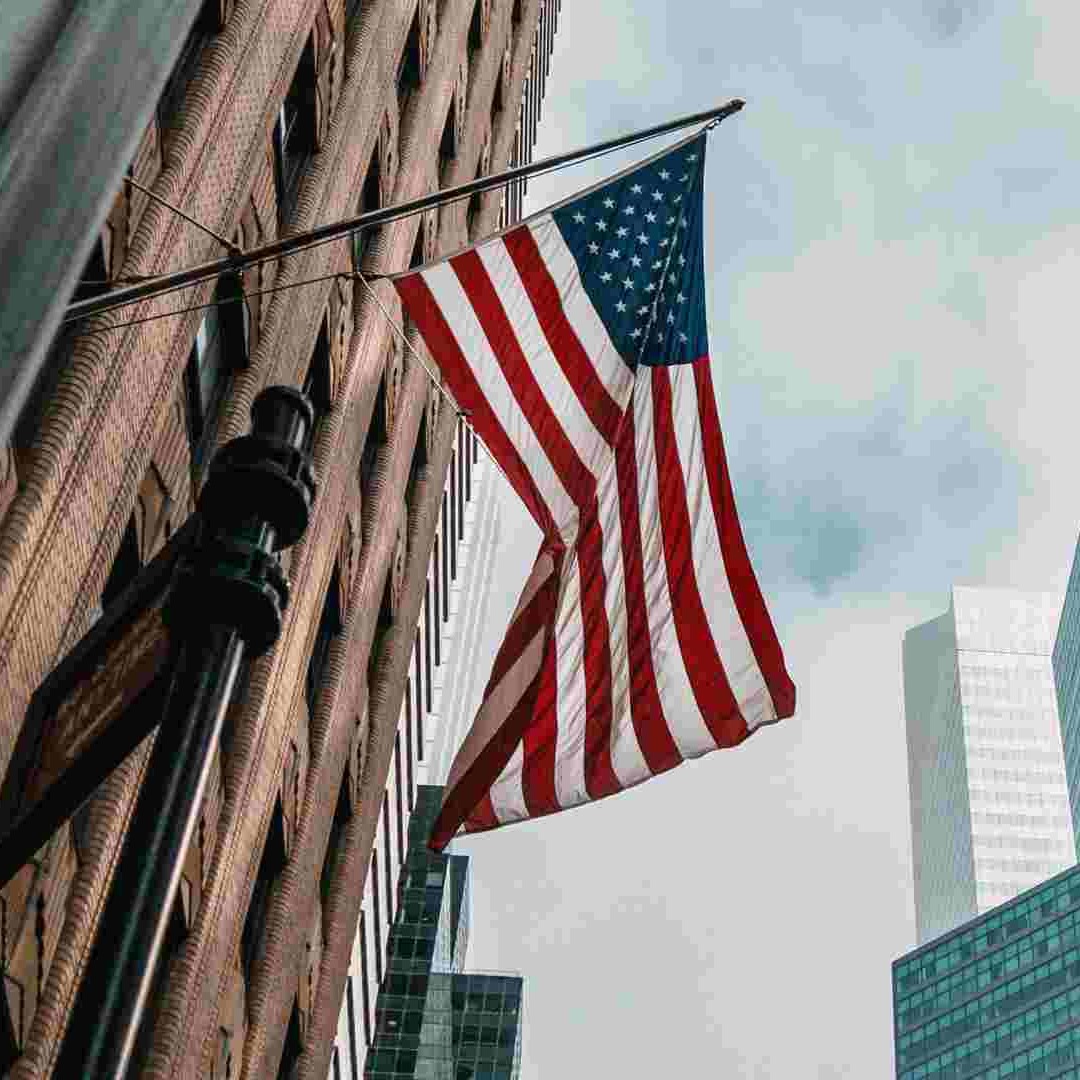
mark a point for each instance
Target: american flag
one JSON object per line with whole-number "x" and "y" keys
{"x": 576, "y": 341}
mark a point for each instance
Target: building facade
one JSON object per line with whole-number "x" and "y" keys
{"x": 1066, "y": 660}
{"x": 989, "y": 804}
{"x": 279, "y": 116}
{"x": 433, "y": 1019}
{"x": 997, "y": 998}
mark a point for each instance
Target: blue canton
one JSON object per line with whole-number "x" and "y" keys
{"x": 637, "y": 241}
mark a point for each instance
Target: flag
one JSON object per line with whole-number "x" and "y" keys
{"x": 576, "y": 342}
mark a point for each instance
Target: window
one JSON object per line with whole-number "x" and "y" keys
{"x": 409, "y": 68}
{"x": 294, "y": 131}
{"x": 333, "y": 844}
{"x": 125, "y": 567}
{"x": 330, "y": 625}
{"x": 448, "y": 142}
{"x": 270, "y": 865}
{"x": 353, "y": 9}
{"x": 476, "y": 28}
{"x": 219, "y": 348}
{"x": 317, "y": 383}
{"x": 294, "y": 1045}
{"x": 370, "y": 199}
{"x": 94, "y": 279}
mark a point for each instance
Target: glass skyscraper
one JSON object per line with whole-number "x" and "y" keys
{"x": 433, "y": 1020}
{"x": 1067, "y": 683}
{"x": 999, "y": 997}
{"x": 989, "y": 801}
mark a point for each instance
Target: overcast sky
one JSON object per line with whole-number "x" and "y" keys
{"x": 893, "y": 245}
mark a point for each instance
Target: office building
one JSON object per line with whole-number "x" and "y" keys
{"x": 989, "y": 804}
{"x": 1067, "y": 684}
{"x": 278, "y": 116}
{"x": 998, "y": 998}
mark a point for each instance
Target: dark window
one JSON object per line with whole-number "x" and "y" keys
{"x": 409, "y": 72}
{"x": 270, "y": 865}
{"x": 333, "y": 844}
{"x": 370, "y": 199}
{"x": 294, "y": 1046}
{"x": 294, "y": 131}
{"x": 388, "y": 868}
{"x": 376, "y": 436}
{"x": 417, "y": 258}
{"x": 364, "y": 992}
{"x": 378, "y": 932}
{"x": 400, "y": 796}
{"x": 497, "y": 100}
{"x": 317, "y": 381}
{"x": 353, "y": 9}
{"x": 476, "y": 28}
{"x": 330, "y": 625}
{"x": 125, "y": 567}
{"x": 219, "y": 348}
{"x": 476, "y": 206}
{"x": 95, "y": 276}
{"x": 448, "y": 142}
{"x": 337, "y": 1064}
{"x": 175, "y": 89}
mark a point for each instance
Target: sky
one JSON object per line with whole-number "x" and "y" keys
{"x": 893, "y": 252}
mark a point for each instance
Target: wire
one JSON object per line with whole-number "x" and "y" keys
{"x": 318, "y": 243}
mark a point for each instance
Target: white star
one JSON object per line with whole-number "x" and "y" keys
{"x": 671, "y": 279}
{"x": 605, "y": 276}
{"x": 636, "y": 189}
{"x": 642, "y": 238}
{"x": 678, "y": 198}
{"x": 602, "y": 226}
{"x": 629, "y": 210}
{"x": 636, "y": 333}
{"x": 656, "y": 265}
{"x": 664, "y": 174}
{"x": 682, "y": 260}
{"x": 683, "y": 338}
{"x": 670, "y": 317}
{"x": 579, "y": 217}
{"x": 634, "y": 260}
{"x": 658, "y": 196}
{"x": 692, "y": 157}
{"x": 643, "y": 310}
{"x": 609, "y": 202}
{"x": 660, "y": 339}
{"x": 627, "y": 283}
{"x": 682, "y": 223}
{"x": 680, "y": 299}
{"x": 614, "y": 253}
{"x": 620, "y": 306}
{"x": 622, "y": 230}
{"x": 594, "y": 247}
{"x": 685, "y": 176}
{"x": 651, "y": 287}
{"x": 671, "y": 221}
{"x": 665, "y": 242}
{"x": 650, "y": 216}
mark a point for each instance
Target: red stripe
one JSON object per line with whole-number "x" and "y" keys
{"x": 463, "y": 803}
{"x": 575, "y": 477}
{"x": 521, "y": 631}
{"x": 717, "y": 703}
{"x": 600, "y": 778}
{"x": 647, "y": 714}
{"x": 541, "y": 735}
{"x": 567, "y": 349}
{"x": 440, "y": 340}
{"x": 744, "y": 586}
{"x": 483, "y": 816}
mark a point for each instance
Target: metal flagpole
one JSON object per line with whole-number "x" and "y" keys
{"x": 191, "y": 276}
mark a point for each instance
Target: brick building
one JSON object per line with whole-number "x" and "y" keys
{"x": 279, "y": 115}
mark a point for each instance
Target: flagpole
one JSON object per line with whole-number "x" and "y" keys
{"x": 323, "y": 233}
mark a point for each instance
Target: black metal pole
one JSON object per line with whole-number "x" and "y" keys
{"x": 227, "y": 599}
{"x": 113, "y": 993}
{"x": 298, "y": 241}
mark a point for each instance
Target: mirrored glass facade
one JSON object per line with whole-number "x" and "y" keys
{"x": 433, "y": 1021}
{"x": 989, "y": 801}
{"x": 999, "y": 997}
{"x": 1067, "y": 684}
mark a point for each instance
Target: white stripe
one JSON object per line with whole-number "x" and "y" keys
{"x": 728, "y": 633}
{"x": 471, "y": 339}
{"x": 627, "y": 760}
{"x": 507, "y": 794}
{"x": 570, "y": 705}
{"x": 684, "y": 719}
{"x": 610, "y": 368}
{"x": 590, "y": 445}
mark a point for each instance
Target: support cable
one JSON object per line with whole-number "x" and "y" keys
{"x": 227, "y": 244}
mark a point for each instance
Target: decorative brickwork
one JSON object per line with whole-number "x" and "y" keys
{"x": 111, "y": 443}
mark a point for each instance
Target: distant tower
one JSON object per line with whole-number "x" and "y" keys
{"x": 1067, "y": 684}
{"x": 989, "y": 802}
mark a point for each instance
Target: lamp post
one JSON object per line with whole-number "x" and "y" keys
{"x": 227, "y": 600}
